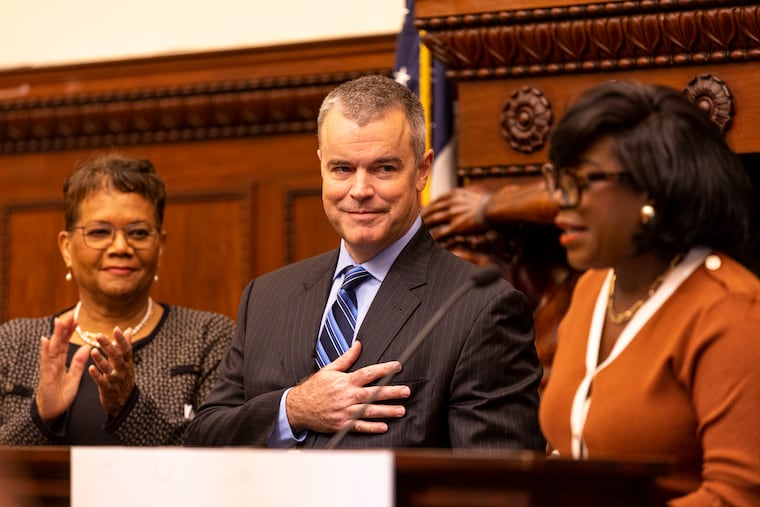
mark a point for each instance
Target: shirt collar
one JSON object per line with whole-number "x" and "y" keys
{"x": 379, "y": 265}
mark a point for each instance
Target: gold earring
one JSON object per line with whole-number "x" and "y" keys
{"x": 647, "y": 213}
{"x": 69, "y": 276}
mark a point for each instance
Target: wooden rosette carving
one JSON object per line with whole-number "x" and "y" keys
{"x": 526, "y": 119}
{"x": 712, "y": 96}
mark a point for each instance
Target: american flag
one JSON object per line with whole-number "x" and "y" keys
{"x": 413, "y": 68}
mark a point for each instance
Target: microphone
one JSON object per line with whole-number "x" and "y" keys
{"x": 482, "y": 278}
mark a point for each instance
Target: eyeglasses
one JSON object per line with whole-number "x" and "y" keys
{"x": 565, "y": 185}
{"x": 101, "y": 235}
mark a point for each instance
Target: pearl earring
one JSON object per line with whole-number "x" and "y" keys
{"x": 69, "y": 276}
{"x": 155, "y": 278}
{"x": 647, "y": 213}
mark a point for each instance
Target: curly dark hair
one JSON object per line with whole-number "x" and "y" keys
{"x": 125, "y": 174}
{"x": 700, "y": 189}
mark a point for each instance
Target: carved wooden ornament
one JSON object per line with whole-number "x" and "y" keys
{"x": 526, "y": 119}
{"x": 711, "y": 94}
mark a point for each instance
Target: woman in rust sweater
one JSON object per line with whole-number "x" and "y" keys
{"x": 659, "y": 352}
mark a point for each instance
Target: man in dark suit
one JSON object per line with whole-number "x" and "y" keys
{"x": 473, "y": 382}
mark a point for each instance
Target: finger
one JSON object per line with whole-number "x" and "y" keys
{"x": 100, "y": 378}
{"x": 348, "y": 358}
{"x": 49, "y": 364}
{"x": 436, "y": 216}
{"x": 123, "y": 342}
{"x": 431, "y": 221}
{"x": 95, "y": 373}
{"x": 382, "y": 411}
{"x": 106, "y": 379}
{"x": 59, "y": 341}
{"x": 112, "y": 353}
{"x": 439, "y": 231}
{"x": 368, "y": 374}
{"x": 375, "y": 393}
{"x": 361, "y": 426}
{"x": 128, "y": 334}
{"x": 103, "y": 364}
{"x": 68, "y": 318}
{"x": 44, "y": 347}
{"x": 106, "y": 345}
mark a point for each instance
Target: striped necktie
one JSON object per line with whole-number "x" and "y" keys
{"x": 338, "y": 332}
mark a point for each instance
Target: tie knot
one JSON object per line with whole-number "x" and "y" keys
{"x": 355, "y": 276}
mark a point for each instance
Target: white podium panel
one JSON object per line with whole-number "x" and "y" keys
{"x": 230, "y": 477}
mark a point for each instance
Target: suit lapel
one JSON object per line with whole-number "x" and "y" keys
{"x": 308, "y": 304}
{"x": 395, "y": 301}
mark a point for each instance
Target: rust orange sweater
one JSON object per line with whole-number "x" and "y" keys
{"x": 686, "y": 386}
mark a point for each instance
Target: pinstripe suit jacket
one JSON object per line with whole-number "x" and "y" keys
{"x": 473, "y": 381}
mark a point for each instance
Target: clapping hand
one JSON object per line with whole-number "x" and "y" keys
{"x": 114, "y": 370}
{"x": 58, "y": 385}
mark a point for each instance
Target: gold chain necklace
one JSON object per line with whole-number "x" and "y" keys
{"x": 626, "y": 315}
{"x": 90, "y": 338}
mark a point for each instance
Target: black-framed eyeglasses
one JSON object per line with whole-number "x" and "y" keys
{"x": 565, "y": 185}
{"x": 101, "y": 235}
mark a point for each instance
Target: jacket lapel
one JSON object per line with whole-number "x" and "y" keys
{"x": 308, "y": 305}
{"x": 396, "y": 300}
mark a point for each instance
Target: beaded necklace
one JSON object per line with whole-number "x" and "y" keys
{"x": 90, "y": 338}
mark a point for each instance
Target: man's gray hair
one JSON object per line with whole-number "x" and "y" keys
{"x": 369, "y": 98}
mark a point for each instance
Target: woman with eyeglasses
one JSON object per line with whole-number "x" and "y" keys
{"x": 659, "y": 352}
{"x": 117, "y": 368}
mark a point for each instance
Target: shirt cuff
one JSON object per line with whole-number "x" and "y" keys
{"x": 282, "y": 436}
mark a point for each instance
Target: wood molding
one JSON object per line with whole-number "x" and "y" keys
{"x": 166, "y": 115}
{"x": 596, "y": 37}
{"x": 477, "y": 172}
{"x": 186, "y": 105}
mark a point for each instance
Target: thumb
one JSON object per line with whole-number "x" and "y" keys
{"x": 348, "y": 358}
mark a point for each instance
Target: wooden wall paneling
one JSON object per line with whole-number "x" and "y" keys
{"x": 33, "y": 271}
{"x": 34, "y": 177}
{"x": 205, "y": 263}
{"x": 308, "y": 232}
{"x": 291, "y": 221}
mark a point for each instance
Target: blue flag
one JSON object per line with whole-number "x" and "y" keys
{"x": 407, "y": 71}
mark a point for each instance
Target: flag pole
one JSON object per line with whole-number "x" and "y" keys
{"x": 426, "y": 98}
